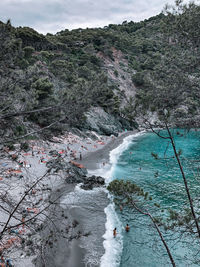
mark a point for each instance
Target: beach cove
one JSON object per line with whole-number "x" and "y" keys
{"x": 77, "y": 229}
{"x": 21, "y": 168}
{"x": 131, "y": 158}
{"x": 87, "y": 207}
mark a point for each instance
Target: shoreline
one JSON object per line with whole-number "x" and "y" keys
{"x": 75, "y": 253}
{"x": 30, "y": 165}
{"x": 94, "y": 159}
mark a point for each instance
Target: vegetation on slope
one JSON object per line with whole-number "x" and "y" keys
{"x": 68, "y": 72}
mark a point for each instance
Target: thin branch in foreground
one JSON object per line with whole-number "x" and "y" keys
{"x": 20, "y": 201}
{"x": 31, "y": 133}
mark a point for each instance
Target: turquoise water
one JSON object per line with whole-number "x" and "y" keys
{"x": 162, "y": 179}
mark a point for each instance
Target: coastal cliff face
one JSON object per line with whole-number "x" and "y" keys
{"x": 104, "y": 123}
{"x": 64, "y": 84}
{"x": 105, "y": 80}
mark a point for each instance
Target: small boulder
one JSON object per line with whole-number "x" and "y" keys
{"x": 91, "y": 182}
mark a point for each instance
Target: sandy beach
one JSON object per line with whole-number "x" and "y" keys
{"x": 72, "y": 234}
{"x": 87, "y": 208}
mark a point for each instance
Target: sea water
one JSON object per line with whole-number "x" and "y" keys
{"x": 161, "y": 177}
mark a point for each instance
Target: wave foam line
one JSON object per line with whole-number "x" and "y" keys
{"x": 117, "y": 152}
{"x": 114, "y": 246}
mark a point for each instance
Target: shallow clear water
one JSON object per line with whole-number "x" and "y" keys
{"x": 162, "y": 179}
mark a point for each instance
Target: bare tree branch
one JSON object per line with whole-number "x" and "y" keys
{"x": 157, "y": 229}
{"x": 37, "y": 131}
{"x": 20, "y": 201}
{"x": 22, "y": 113}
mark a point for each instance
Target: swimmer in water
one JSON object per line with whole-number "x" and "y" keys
{"x": 127, "y": 228}
{"x": 115, "y": 232}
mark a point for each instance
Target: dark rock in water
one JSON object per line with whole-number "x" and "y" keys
{"x": 77, "y": 175}
{"x": 94, "y": 181}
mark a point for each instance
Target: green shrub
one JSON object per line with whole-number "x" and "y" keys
{"x": 11, "y": 146}
{"x": 20, "y": 130}
{"x": 43, "y": 87}
{"x": 138, "y": 78}
{"x": 24, "y": 146}
{"x": 116, "y": 73}
{"x": 23, "y": 63}
{"x": 28, "y": 51}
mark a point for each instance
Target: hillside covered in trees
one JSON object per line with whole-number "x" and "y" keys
{"x": 128, "y": 71}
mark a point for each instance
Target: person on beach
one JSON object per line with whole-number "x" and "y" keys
{"x": 127, "y": 228}
{"x": 8, "y": 263}
{"x": 121, "y": 208}
{"x": 115, "y": 232}
{"x": 80, "y": 156}
{"x": 2, "y": 261}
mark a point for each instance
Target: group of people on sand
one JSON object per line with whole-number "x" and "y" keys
{"x": 127, "y": 228}
{"x": 5, "y": 263}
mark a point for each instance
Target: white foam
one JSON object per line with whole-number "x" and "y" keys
{"x": 108, "y": 170}
{"x": 114, "y": 246}
{"x": 75, "y": 197}
{"x": 117, "y": 152}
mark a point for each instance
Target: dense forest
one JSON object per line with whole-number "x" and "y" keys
{"x": 130, "y": 71}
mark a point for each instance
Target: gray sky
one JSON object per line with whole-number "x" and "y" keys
{"x": 56, "y": 15}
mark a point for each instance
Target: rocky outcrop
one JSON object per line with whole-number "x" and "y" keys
{"x": 77, "y": 175}
{"x": 103, "y": 123}
{"x": 93, "y": 181}
{"x": 120, "y": 74}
